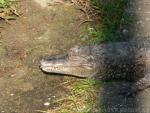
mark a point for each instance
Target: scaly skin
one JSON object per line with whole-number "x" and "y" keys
{"x": 119, "y": 60}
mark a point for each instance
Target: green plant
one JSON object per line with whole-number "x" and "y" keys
{"x": 8, "y": 10}
{"x": 2, "y": 3}
{"x": 113, "y": 18}
{"x": 82, "y": 97}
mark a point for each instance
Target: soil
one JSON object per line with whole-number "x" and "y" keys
{"x": 41, "y": 30}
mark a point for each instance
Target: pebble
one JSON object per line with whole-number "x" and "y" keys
{"x": 147, "y": 19}
{"x": 54, "y": 96}
{"x": 46, "y": 104}
{"x": 125, "y": 31}
{"x": 13, "y": 75}
{"x": 139, "y": 8}
{"x": 11, "y": 94}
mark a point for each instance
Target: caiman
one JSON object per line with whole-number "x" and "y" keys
{"x": 117, "y": 61}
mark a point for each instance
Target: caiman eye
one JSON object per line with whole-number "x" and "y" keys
{"x": 74, "y": 51}
{"x": 88, "y": 66}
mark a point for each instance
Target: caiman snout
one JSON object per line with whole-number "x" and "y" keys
{"x": 53, "y": 64}
{"x": 72, "y": 63}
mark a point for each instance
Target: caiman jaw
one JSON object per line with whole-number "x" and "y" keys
{"x": 68, "y": 66}
{"x": 54, "y": 64}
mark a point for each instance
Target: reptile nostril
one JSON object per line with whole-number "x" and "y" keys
{"x": 40, "y": 67}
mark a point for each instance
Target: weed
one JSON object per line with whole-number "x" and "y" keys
{"x": 82, "y": 97}
{"x": 8, "y": 10}
{"x": 113, "y": 18}
{"x": 2, "y": 3}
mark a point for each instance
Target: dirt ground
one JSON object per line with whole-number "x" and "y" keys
{"x": 41, "y": 30}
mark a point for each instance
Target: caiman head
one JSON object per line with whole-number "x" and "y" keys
{"x": 77, "y": 62}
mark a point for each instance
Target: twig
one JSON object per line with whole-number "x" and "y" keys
{"x": 85, "y": 22}
{"x": 5, "y": 20}
{"x": 40, "y": 111}
{"x": 76, "y": 28}
{"x": 81, "y": 8}
{"x": 62, "y": 84}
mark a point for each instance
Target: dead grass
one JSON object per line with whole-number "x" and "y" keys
{"x": 8, "y": 10}
{"x": 81, "y": 98}
{"x": 92, "y": 12}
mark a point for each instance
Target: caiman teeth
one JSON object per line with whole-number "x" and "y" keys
{"x": 45, "y": 68}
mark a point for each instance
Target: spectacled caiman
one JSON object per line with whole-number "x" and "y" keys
{"x": 117, "y": 60}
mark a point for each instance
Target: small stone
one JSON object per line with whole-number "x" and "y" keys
{"x": 2, "y": 111}
{"x": 125, "y": 31}
{"x": 13, "y": 75}
{"x": 139, "y": 8}
{"x": 46, "y": 104}
{"x": 39, "y": 38}
{"x": 49, "y": 98}
{"x": 11, "y": 94}
{"x": 147, "y": 19}
{"x": 54, "y": 96}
